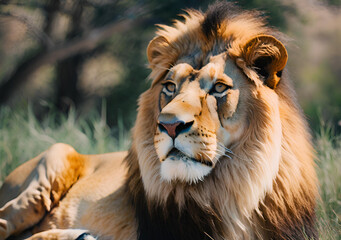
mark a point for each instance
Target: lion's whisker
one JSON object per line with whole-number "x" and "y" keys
{"x": 231, "y": 152}
{"x": 226, "y": 149}
{"x": 210, "y": 158}
{"x": 208, "y": 235}
{"x": 223, "y": 154}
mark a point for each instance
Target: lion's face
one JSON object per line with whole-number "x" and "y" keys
{"x": 201, "y": 112}
{"x": 204, "y": 98}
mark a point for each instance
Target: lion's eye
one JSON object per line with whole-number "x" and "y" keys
{"x": 169, "y": 88}
{"x": 219, "y": 89}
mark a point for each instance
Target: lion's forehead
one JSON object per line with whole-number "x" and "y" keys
{"x": 180, "y": 71}
{"x": 219, "y": 67}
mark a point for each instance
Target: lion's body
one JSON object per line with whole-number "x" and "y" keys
{"x": 220, "y": 149}
{"x": 78, "y": 207}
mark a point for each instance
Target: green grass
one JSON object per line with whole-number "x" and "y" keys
{"x": 23, "y": 137}
{"x": 328, "y": 148}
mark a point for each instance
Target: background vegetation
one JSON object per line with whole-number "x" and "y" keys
{"x": 72, "y": 70}
{"x": 58, "y": 54}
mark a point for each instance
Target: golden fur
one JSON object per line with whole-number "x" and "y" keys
{"x": 242, "y": 167}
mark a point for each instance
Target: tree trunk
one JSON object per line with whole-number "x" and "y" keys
{"x": 67, "y": 78}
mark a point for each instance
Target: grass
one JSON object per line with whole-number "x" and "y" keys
{"x": 22, "y": 137}
{"x": 329, "y": 174}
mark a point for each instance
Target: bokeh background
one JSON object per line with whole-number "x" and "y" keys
{"x": 72, "y": 70}
{"x": 62, "y": 54}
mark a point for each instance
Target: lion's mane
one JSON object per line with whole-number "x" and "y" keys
{"x": 245, "y": 197}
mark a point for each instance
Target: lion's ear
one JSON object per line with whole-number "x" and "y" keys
{"x": 267, "y": 56}
{"x": 156, "y": 48}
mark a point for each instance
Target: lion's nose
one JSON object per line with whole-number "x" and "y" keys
{"x": 174, "y": 128}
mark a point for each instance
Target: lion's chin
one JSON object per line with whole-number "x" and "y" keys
{"x": 178, "y": 166}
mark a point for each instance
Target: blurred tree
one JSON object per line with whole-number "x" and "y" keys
{"x": 69, "y": 49}
{"x": 73, "y": 35}
{"x": 67, "y": 69}
{"x": 67, "y": 52}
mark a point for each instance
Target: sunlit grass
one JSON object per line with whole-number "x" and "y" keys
{"x": 23, "y": 137}
{"x": 329, "y": 173}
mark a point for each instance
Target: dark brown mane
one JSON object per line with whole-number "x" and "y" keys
{"x": 169, "y": 223}
{"x": 216, "y": 14}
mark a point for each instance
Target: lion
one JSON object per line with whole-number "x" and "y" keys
{"x": 220, "y": 149}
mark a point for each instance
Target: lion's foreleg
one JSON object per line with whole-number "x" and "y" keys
{"x": 48, "y": 180}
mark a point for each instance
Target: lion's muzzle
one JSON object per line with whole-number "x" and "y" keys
{"x": 173, "y": 128}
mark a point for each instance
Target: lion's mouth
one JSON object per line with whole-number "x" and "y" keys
{"x": 177, "y": 155}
